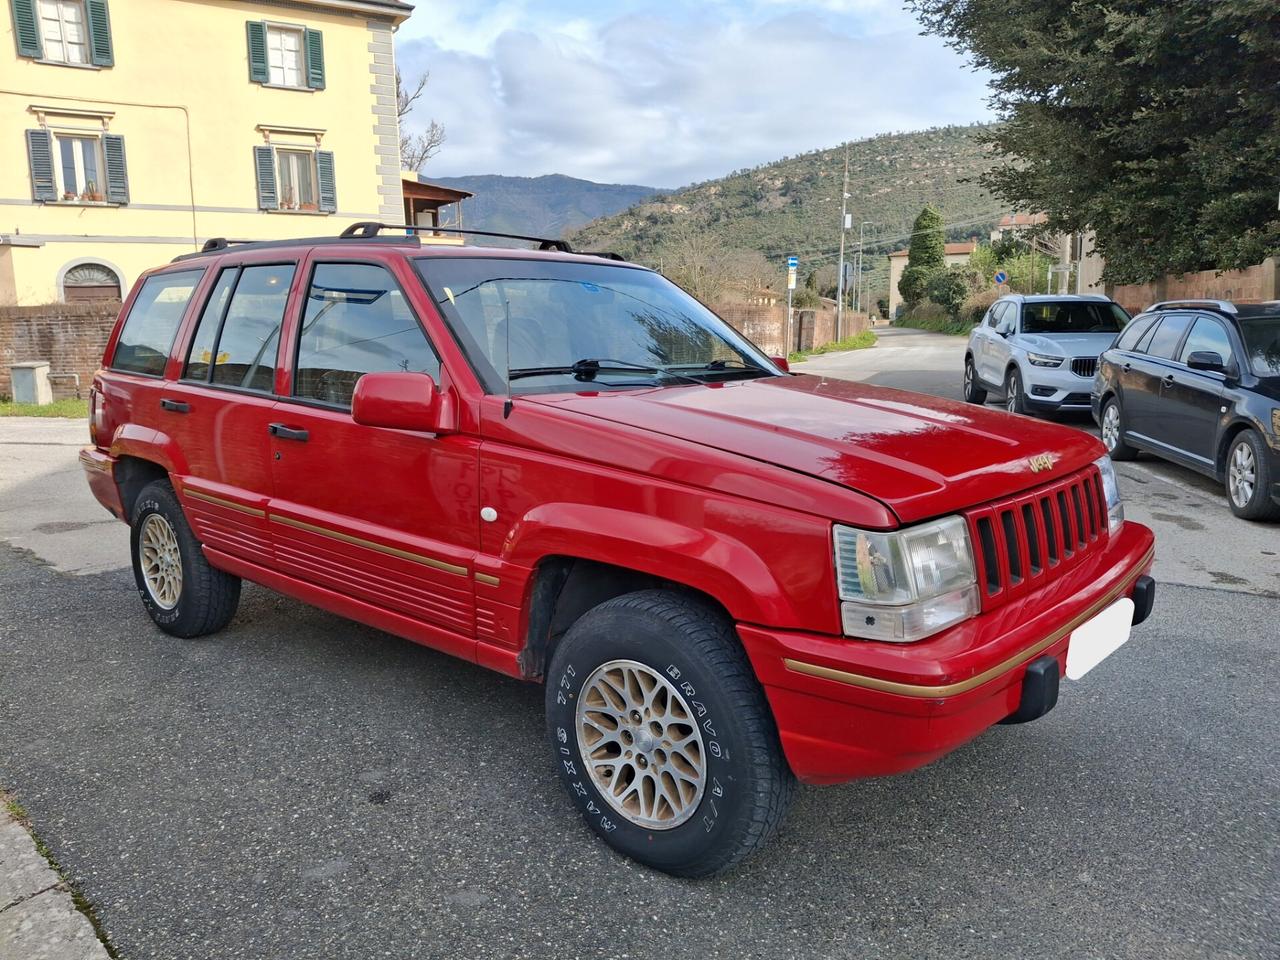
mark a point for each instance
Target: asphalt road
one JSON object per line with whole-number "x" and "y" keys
{"x": 300, "y": 786}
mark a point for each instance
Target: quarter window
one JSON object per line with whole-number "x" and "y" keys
{"x": 244, "y": 354}
{"x": 148, "y": 332}
{"x": 284, "y": 57}
{"x": 63, "y": 31}
{"x": 200, "y": 355}
{"x": 1167, "y": 336}
{"x": 1206, "y": 334}
{"x": 356, "y": 322}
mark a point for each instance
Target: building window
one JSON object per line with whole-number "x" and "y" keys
{"x": 90, "y": 281}
{"x": 79, "y": 168}
{"x": 63, "y": 31}
{"x": 296, "y": 179}
{"x": 284, "y": 56}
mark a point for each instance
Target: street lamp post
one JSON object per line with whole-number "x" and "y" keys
{"x": 844, "y": 225}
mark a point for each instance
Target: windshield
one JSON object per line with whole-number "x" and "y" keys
{"x": 582, "y": 326}
{"x": 1262, "y": 344}
{"x": 1073, "y": 316}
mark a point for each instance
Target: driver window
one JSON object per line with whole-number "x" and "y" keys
{"x": 1206, "y": 334}
{"x": 356, "y": 322}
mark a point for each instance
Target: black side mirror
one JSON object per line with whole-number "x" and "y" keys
{"x": 1206, "y": 360}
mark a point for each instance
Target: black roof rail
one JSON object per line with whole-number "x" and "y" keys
{"x": 367, "y": 229}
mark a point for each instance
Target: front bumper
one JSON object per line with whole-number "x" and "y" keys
{"x": 847, "y": 709}
{"x": 1055, "y": 388}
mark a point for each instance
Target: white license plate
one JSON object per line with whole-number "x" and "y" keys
{"x": 1095, "y": 640}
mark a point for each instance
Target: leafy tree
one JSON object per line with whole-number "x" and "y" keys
{"x": 948, "y": 287}
{"x": 912, "y": 284}
{"x": 928, "y": 247}
{"x": 1156, "y": 123}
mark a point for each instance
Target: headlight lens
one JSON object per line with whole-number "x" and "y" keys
{"x": 1111, "y": 489}
{"x": 906, "y": 584}
{"x": 1044, "y": 360}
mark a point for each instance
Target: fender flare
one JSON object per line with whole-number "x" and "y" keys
{"x": 146, "y": 443}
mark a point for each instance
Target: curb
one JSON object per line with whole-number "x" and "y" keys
{"x": 39, "y": 918}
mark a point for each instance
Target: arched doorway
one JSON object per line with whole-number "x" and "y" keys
{"x": 90, "y": 281}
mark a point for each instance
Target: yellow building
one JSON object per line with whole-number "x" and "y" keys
{"x": 134, "y": 130}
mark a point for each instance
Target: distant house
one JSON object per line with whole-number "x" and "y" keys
{"x": 1016, "y": 223}
{"x": 424, "y": 202}
{"x": 954, "y": 255}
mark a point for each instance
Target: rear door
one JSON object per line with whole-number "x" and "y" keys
{"x": 1191, "y": 400}
{"x": 219, "y": 408}
{"x": 388, "y": 517}
{"x": 1150, "y": 364}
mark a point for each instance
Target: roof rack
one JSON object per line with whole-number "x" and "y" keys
{"x": 221, "y": 244}
{"x": 1222, "y": 306}
{"x": 370, "y": 229}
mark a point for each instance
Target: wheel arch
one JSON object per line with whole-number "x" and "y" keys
{"x": 1229, "y": 434}
{"x": 132, "y": 475}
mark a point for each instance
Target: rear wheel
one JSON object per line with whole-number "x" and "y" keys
{"x": 1014, "y": 400}
{"x": 973, "y": 391}
{"x": 183, "y": 594}
{"x": 1249, "y": 479}
{"x": 1113, "y": 431}
{"x": 662, "y": 735}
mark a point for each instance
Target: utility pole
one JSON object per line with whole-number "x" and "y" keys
{"x": 844, "y": 225}
{"x": 857, "y": 289}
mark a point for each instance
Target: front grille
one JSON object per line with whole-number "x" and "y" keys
{"x": 1023, "y": 542}
{"x": 1084, "y": 366}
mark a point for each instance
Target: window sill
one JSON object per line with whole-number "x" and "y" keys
{"x": 303, "y": 213}
{"x": 285, "y": 86}
{"x": 63, "y": 63}
{"x": 81, "y": 203}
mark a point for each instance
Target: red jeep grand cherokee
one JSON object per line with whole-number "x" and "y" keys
{"x": 566, "y": 469}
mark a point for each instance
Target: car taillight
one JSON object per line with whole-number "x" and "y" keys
{"x": 94, "y": 413}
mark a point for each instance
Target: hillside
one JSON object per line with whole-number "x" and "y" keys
{"x": 792, "y": 206}
{"x": 545, "y": 206}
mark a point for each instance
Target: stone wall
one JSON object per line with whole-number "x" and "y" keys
{"x": 70, "y": 336}
{"x": 765, "y": 325}
{"x": 1250, "y": 285}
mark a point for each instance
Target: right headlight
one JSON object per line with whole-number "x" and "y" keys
{"x": 1044, "y": 360}
{"x": 905, "y": 585}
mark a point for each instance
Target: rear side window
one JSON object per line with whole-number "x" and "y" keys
{"x": 244, "y": 355}
{"x": 147, "y": 336}
{"x": 1128, "y": 340}
{"x": 356, "y": 322}
{"x": 1168, "y": 335}
{"x": 200, "y": 356}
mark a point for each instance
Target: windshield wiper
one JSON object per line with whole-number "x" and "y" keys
{"x": 587, "y": 369}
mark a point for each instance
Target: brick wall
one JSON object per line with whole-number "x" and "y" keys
{"x": 71, "y": 336}
{"x": 1249, "y": 285}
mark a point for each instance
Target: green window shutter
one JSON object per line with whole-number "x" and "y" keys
{"x": 117, "y": 177}
{"x": 315, "y": 59}
{"x": 257, "y": 31}
{"x": 40, "y": 157}
{"x": 328, "y": 187}
{"x": 26, "y": 28}
{"x": 264, "y": 169}
{"x": 99, "y": 33}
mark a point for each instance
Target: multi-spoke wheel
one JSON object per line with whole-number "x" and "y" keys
{"x": 1113, "y": 432}
{"x": 183, "y": 594}
{"x": 1250, "y": 476}
{"x": 1014, "y": 401}
{"x": 662, "y": 735}
{"x": 973, "y": 391}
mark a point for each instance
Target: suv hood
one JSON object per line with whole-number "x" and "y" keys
{"x": 921, "y": 456}
{"x": 1067, "y": 344}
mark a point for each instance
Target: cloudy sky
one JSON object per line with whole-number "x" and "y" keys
{"x": 666, "y": 92}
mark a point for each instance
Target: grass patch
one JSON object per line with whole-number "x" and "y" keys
{"x": 930, "y": 316}
{"x": 859, "y": 341}
{"x": 70, "y": 407}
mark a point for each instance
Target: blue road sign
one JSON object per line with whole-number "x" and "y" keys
{"x": 1001, "y": 276}
{"x": 793, "y": 261}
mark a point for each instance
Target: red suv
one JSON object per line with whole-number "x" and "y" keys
{"x": 563, "y": 467}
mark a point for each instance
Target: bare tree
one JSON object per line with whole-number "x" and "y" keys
{"x": 416, "y": 148}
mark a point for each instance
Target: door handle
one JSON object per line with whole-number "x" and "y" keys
{"x": 1126, "y": 367}
{"x": 177, "y": 406}
{"x": 287, "y": 433}
{"x": 1168, "y": 380}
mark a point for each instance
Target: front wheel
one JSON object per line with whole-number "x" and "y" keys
{"x": 662, "y": 735}
{"x": 1112, "y": 429}
{"x": 1249, "y": 479}
{"x": 183, "y": 594}
{"x": 973, "y": 392}
{"x": 1014, "y": 400}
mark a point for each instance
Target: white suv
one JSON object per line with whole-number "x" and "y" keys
{"x": 1040, "y": 351}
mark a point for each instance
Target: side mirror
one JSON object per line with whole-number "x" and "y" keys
{"x": 1005, "y": 329}
{"x": 400, "y": 401}
{"x": 781, "y": 363}
{"x": 1206, "y": 360}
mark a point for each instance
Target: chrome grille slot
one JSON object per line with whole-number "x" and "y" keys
{"x": 1084, "y": 366}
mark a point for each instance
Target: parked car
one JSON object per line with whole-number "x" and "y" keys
{"x": 1040, "y": 352}
{"x": 566, "y": 469}
{"x": 1197, "y": 382}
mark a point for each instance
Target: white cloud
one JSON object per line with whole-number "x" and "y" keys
{"x": 669, "y": 97}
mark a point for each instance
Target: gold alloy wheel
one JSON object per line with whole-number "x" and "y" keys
{"x": 161, "y": 561}
{"x": 641, "y": 744}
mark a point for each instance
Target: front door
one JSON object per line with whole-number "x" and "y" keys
{"x": 1191, "y": 400}
{"x": 388, "y": 517}
{"x": 218, "y": 411}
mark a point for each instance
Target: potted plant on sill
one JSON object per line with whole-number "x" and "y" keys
{"x": 91, "y": 192}
{"x": 308, "y": 206}
{"x": 69, "y": 195}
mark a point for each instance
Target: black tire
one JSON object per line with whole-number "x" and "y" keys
{"x": 1118, "y": 449}
{"x": 973, "y": 392}
{"x": 1015, "y": 401}
{"x": 747, "y": 785}
{"x": 207, "y": 598}
{"x": 1258, "y": 505}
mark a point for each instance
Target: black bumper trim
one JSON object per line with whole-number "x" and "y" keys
{"x": 1144, "y": 598}
{"x": 1039, "y": 691}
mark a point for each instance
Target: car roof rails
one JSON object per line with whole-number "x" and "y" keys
{"x": 216, "y": 245}
{"x": 370, "y": 230}
{"x": 1222, "y": 306}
